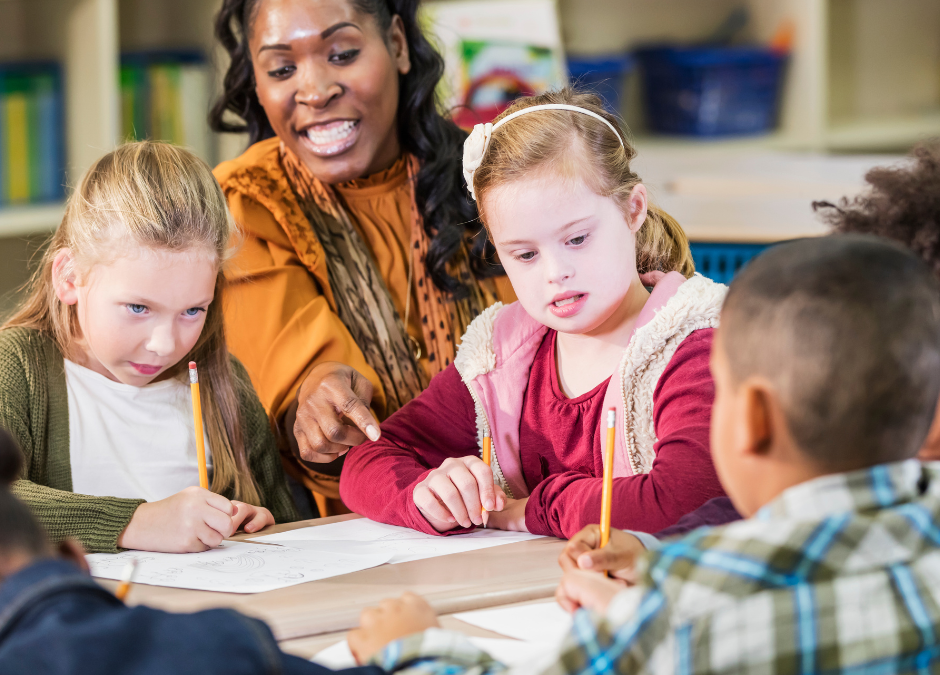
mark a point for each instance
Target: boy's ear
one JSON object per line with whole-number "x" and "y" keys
{"x": 758, "y": 418}
{"x": 63, "y": 277}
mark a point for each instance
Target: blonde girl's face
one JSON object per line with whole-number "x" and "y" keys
{"x": 569, "y": 252}
{"x": 140, "y": 314}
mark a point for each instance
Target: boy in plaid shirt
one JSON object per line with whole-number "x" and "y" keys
{"x": 827, "y": 375}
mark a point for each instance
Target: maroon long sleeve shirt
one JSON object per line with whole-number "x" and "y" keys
{"x": 561, "y": 450}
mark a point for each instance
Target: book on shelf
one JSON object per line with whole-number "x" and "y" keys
{"x": 32, "y": 135}
{"x": 165, "y": 97}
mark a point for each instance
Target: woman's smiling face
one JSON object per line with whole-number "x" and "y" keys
{"x": 327, "y": 77}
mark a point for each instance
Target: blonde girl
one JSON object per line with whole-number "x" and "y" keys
{"x": 575, "y": 232}
{"x": 93, "y": 363}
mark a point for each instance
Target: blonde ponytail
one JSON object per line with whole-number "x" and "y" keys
{"x": 662, "y": 245}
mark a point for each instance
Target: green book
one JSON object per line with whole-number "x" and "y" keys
{"x": 134, "y": 109}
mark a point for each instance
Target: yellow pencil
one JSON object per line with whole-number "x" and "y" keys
{"x": 488, "y": 458}
{"x": 608, "y": 477}
{"x": 197, "y": 420}
{"x": 127, "y": 578}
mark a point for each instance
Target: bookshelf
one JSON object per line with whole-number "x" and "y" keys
{"x": 18, "y": 221}
{"x": 864, "y": 74}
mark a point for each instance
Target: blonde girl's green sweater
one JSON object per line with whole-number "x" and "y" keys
{"x": 34, "y": 408}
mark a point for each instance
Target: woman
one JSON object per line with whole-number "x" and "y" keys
{"x": 359, "y": 269}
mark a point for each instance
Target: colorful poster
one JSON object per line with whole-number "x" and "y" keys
{"x": 494, "y": 52}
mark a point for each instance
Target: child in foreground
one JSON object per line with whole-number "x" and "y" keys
{"x": 827, "y": 374}
{"x": 55, "y": 620}
{"x": 93, "y": 368}
{"x": 574, "y": 232}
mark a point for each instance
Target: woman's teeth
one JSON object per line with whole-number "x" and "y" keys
{"x": 567, "y": 301}
{"x": 331, "y": 133}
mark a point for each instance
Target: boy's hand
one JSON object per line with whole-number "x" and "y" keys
{"x": 391, "y": 620}
{"x": 455, "y": 493}
{"x": 619, "y": 557}
{"x": 511, "y": 518}
{"x": 251, "y": 518}
{"x": 192, "y": 520}
{"x": 588, "y": 590}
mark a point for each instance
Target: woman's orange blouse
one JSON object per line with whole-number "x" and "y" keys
{"x": 280, "y": 315}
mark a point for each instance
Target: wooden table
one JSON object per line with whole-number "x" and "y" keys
{"x": 489, "y": 577}
{"x": 309, "y": 646}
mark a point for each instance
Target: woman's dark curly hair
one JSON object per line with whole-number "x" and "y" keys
{"x": 435, "y": 140}
{"x": 902, "y": 203}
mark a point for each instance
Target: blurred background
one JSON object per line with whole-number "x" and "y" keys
{"x": 743, "y": 112}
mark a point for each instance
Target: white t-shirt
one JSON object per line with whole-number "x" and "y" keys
{"x": 127, "y": 441}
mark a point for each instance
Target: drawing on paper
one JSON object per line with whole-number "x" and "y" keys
{"x": 236, "y": 564}
{"x": 237, "y": 567}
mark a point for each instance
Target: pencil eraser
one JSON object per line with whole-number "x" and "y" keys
{"x": 192, "y": 365}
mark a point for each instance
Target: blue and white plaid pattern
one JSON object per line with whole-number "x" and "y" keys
{"x": 839, "y": 574}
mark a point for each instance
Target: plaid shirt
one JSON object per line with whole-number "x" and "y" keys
{"x": 838, "y": 574}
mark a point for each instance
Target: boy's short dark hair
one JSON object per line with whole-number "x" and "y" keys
{"x": 847, "y": 329}
{"x": 19, "y": 530}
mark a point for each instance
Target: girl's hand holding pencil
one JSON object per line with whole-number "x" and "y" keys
{"x": 251, "y": 518}
{"x": 192, "y": 520}
{"x": 455, "y": 494}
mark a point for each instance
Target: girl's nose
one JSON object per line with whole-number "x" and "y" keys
{"x": 162, "y": 342}
{"x": 559, "y": 271}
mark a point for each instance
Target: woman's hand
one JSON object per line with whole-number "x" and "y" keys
{"x": 192, "y": 520}
{"x": 583, "y": 552}
{"x": 587, "y": 589}
{"x": 392, "y": 620}
{"x": 456, "y": 492}
{"x": 250, "y": 518}
{"x": 333, "y": 392}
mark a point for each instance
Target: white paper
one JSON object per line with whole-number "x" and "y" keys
{"x": 401, "y": 543}
{"x": 543, "y": 622}
{"x": 237, "y": 567}
{"x": 508, "y": 652}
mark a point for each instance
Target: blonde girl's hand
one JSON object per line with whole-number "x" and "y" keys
{"x": 511, "y": 517}
{"x": 456, "y": 492}
{"x": 250, "y": 518}
{"x": 192, "y": 520}
{"x": 619, "y": 557}
{"x": 392, "y": 620}
{"x": 587, "y": 589}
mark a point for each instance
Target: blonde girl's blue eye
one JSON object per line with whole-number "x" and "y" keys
{"x": 193, "y": 311}
{"x": 137, "y": 309}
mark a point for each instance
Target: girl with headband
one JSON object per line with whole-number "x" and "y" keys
{"x": 581, "y": 244}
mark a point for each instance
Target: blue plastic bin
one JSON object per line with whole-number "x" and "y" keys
{"x": 603, "y": 75}
{"x": 720, "y": 262}
{"x": 711, "y": 91}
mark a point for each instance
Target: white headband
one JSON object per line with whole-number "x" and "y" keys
{"x": 479, "y": 139}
